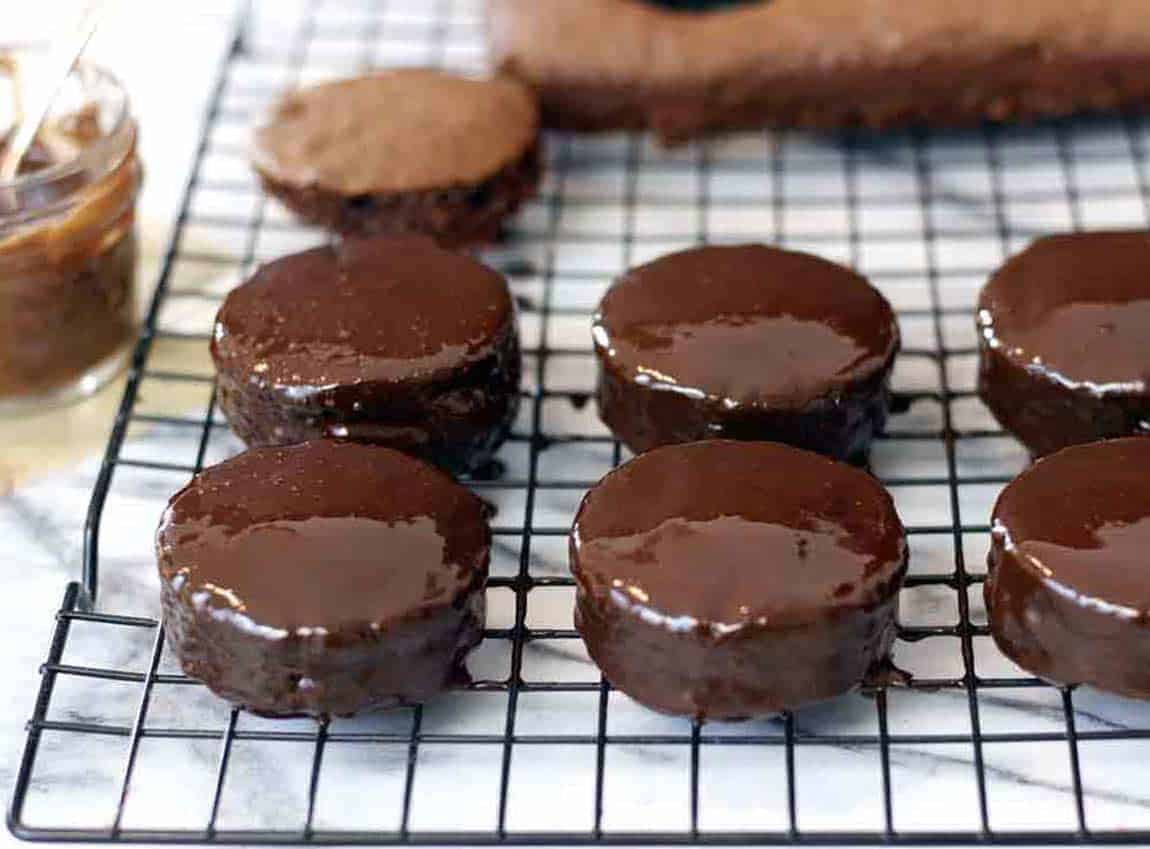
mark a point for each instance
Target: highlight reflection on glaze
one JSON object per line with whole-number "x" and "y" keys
{"x": 347, "y": 564}
{"x": 1064, "y": 352}
{"x": 368, "y": 310}
{"x": 1075, "y": 308}
{"x": 322, "y": 534}
{"x": 1068, "y": 590}
{"x": 1112, "y": 569}
{"x": 746, "y": 323}
{"x": 696, "y": 571}
{"x": 1102, "y": 347}
{"x": 718, "y": 357}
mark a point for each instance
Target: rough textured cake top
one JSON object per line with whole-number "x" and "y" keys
{"x": 403, "y": 130}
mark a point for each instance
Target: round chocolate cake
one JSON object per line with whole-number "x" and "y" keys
{"x": 1069, "y": 587}
{"x": 323, "y": 578}
{"x": 745, "y": 342}
{"x": 404, "y": 150}
{"x": 724, "y": 580}
{"x": 1065, "y": 340}
{"x": 391, "y": 340}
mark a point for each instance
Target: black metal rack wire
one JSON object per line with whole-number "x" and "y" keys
{"x": 942, "y": 199}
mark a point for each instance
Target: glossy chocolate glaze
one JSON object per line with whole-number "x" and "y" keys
{"x": 726, "y": 579}
{"x": 367, "y": 310}
{"x": 749, "y": 342}
{"x": 323, "y": 578}
{"x": 1069, "y": 585}
{"x": 391, "y": 340}
{"x": 1065, "y": 340}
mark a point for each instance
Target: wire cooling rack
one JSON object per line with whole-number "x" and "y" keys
{"x": 539, "y": 749}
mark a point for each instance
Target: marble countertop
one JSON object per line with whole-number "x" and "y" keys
{"x": 166, "y": 53}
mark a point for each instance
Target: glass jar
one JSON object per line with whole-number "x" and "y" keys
{"x": 68, "y": 243}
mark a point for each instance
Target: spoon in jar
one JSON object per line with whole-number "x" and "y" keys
{"x": 56, "y": 67}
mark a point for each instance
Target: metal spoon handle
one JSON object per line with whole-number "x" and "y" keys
{"x": 57, "y": 65}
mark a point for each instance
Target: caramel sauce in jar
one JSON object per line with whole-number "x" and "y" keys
{"x": 68, "y": 248}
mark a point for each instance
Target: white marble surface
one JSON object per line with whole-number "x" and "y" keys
{"x": 839, "y": 785}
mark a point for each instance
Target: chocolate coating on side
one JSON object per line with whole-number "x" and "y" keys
{"x": 746, "y": 342}
{"x": 406, "y": 150}
{"x": 1065, "y": 340}
{"x": 726, "y": 579}
{"x": 389, "y": 340}
{"x": 323, "y": 578}
{"x": 1069, "y": 585}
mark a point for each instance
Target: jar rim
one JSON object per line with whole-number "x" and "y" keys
{"x": 121, "y": 134}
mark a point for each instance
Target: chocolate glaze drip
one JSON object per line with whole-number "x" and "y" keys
{"x": 748, "y": 342}
{"x": 730, "y": 579}
{"x": 1069, "y": 585}
{"x": 388, "y": 340}
{"x": 1065, "y": 352}
{"x": 323, "y": 578}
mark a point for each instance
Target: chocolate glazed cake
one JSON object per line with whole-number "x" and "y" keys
{"x": 391, "y": 340}
{"x": 1069, "y": 586}
{"x": 683, "y": 68}
{"x": 323, "y": 578}
{"x": 725, "y": 580}
{"x": 1065, "y": 340}
{"x": 406, "y": 150}
{"x": 745, "y": 342}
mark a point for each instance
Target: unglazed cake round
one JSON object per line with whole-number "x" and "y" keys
{"x": 405, "y": 150}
